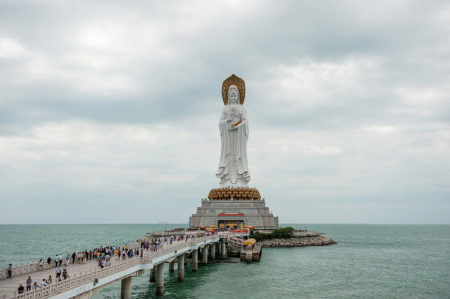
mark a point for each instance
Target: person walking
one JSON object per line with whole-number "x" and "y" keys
{"x": 36, "y": 286}
{"x": 64, "y": 274}
{"x": 58, "y": 274}
{"x": 49, "y": 262}
{"x": 29, "y": 282}
{"x": 9, "y": 272}
{"x": 50, "y": 279}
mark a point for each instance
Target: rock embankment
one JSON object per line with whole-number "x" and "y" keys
{"x": 298, "y": 242}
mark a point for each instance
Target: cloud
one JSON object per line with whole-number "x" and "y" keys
{"x": 106, "y": 104}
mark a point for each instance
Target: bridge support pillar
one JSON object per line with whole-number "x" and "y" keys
{"x": 224, "y": 250}
{"x": 185, "y": 259}
{"x": 195, "y": 260}
{"x": 220, "y": 248}
{"x": 213, "y": 250}
{"x": 152, "y": 275}
{"x": 125, "y": 292}
{"x": 160, "y": 280}
{"x": 181, "y": 259}
{"x": 172, "y": 266}
{"x": 205, "y": 255}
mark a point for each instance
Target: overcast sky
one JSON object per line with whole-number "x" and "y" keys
{"x": 109, "y": 110}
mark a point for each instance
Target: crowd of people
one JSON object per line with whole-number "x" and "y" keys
{"x": 61, "y": 274}
{"x": 102, "y": 255}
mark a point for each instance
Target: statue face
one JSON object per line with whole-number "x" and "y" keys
{"x": 233, "y": 95}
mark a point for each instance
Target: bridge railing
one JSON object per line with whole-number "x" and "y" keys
{"x": 91, "y": 276}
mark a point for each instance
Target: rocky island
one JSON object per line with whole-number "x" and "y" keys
{"x": 290, "y": 237}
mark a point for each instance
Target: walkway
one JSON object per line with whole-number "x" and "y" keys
{"x": 88, "y": 277}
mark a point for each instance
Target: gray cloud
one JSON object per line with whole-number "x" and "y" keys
{"x": 348, "y": 107}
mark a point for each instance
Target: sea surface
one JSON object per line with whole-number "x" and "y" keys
{"x": 370, "y": 261}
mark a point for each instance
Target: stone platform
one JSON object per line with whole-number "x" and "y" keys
{"x": 226, "y": 213}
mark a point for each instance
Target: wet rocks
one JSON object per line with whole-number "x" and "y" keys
{"x": 298, "y": 242}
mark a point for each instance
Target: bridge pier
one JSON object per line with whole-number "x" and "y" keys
{"x": 224, "y": 250}
{"x": 194, "y": 260}
{"x": 125, "y": 292}
{"x": 152, "y": 275}
{"x": 181, "y": 259}
{"x": 213, "y": 250}
{"x": 205, "y": 255}
{"x": 160, "y": 280}
{"x": 172, "y": 266}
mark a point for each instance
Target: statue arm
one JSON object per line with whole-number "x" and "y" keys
{"x": 243, "y": 121}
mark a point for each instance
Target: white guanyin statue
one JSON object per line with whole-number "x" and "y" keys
{"x": 233, "y": 125}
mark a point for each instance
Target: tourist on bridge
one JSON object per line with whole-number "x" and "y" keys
{"x": 65, "y": 274}
{"x": 44, "y": 283}
{"x": 9, "y": 272}
{"x": 73, "y": 257}
{"x": 36, "y": 286}
{"x": 50, "y": 280}
{"x": 67, "y": 260}
{"x": 49, "y": 262}
{"x": 29, "y": 282}
{"x": 58, "y": 274}
{"x": 56, "y": 260}
{"x": 41, "y": 264}
{"x": 20, "y": 289}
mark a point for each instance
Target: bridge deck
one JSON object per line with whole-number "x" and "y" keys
{"x": 8, "y": 287}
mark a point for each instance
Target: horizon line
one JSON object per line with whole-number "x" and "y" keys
{"x": 180, "y": 223}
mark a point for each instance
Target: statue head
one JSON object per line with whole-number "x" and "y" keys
{"x": 233, "y": 95}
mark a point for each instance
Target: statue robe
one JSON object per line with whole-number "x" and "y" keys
{"x": 233, "y": 165}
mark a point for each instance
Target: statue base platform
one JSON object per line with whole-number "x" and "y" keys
{"x": 232, "y": 213}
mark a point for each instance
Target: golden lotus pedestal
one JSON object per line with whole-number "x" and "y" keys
{"x": 234, "y": 194}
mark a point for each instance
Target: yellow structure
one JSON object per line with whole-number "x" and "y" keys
{"x": 234, "y": 193}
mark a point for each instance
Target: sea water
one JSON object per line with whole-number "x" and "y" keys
{"x": 369, "y": 261}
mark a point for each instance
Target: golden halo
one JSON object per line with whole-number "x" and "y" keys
{"x": 233, "y": 80}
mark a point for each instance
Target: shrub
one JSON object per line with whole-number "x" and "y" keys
{"x": 280, "y": 233}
